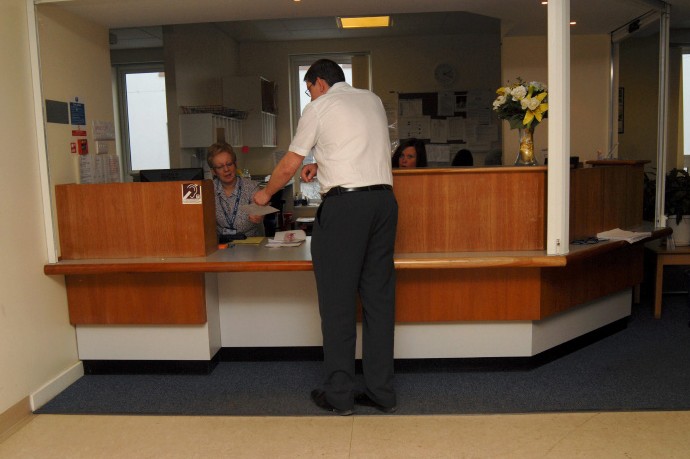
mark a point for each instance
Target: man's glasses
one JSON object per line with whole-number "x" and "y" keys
{"x": 223, "y": 166}
{"x": 306, "y": 91}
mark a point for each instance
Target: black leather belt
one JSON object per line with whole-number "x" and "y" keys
{"x": 336, "y": 190}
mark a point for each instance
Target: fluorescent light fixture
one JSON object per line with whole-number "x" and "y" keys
{"x": 363, "y": 22}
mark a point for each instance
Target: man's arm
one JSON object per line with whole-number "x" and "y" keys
{"x": 282, "y": 174}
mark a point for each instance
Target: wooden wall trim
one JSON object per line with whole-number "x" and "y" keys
{"x": 13, "y": 418}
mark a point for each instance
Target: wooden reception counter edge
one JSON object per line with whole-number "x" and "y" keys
{"x": 470, "y": 260}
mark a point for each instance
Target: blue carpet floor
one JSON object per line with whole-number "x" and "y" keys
{"x": 646, "y": 366}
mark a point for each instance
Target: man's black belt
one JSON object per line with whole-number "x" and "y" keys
{"x": 336, "y": 190}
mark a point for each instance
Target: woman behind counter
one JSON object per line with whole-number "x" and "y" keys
{"x": 231, "y": 192}
{"x": 410, "y": 153}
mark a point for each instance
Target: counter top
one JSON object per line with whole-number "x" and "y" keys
{"x": 258, "y": 258}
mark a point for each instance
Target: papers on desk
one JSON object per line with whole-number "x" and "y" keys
{"x": 618, "y": 234}
{"x": 253, "y": 240}
{"x": 255, "y": 209}
{"x": 287, "y": 239}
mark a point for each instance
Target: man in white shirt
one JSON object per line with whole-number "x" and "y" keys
{"x": 353, "y": 235}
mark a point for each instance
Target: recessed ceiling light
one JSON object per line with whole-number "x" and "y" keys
{"x": 363, "y": 21}
{"x": 571, "y": 22}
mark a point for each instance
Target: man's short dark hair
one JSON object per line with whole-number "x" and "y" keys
{"x": 325, "y": 69}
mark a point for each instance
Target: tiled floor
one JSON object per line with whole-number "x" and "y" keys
{"x": 562, "y": 435}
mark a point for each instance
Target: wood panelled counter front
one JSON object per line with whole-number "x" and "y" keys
{"x": 470, "y": 247}
{"x": 135, "y": 220}
{"x": 490, "y": 209}
{"x": 127, "y": 220}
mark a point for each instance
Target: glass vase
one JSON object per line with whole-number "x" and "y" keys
{"x": 525, "y": 156}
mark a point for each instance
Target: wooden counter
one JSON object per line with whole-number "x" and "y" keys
{"x": 521, "y": 285}
{"x": 470, "y": 248}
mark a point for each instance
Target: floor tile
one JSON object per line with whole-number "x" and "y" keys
{"x": 65, "y": 436}
{"x": 548, "y": 435}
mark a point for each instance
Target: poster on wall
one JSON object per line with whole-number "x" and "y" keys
{"x": 77, "y": 113}
{"x": 103, "y": 130}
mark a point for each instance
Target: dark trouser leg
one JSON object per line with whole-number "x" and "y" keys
{"x": 340, "y": 243}
{"x": 377, "y": 293}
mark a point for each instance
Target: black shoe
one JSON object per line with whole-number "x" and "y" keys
{"x": 364, "y": 400}
{"x": 319, "y": 398}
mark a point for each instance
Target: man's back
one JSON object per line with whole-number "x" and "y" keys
{"x": 352, "y": 147}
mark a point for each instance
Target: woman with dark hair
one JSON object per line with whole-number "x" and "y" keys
{"x": 410, "y": 153}
{"x": 463, "y": 158}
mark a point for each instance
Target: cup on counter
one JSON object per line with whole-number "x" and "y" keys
{"x": 305, "y": 224}
{"x": 287, "y": 221}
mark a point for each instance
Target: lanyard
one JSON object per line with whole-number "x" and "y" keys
{"x": 231, "y": 221}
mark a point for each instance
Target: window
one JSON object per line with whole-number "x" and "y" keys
{"x": 143, "y": 117}
{"x": 686, "y": 108}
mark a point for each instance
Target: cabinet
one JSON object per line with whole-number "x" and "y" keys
{"x": 199, "y": 130}
{"x": 256, "y": 96}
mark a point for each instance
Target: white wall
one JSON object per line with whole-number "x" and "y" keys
{"x": 75, "y": 62}
{"x": 639, "y": 75}
{"x": 36, "y": 340}
{"x": 196, "y": 56}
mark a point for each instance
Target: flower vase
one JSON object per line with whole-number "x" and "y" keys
{"x": 525, "y": 156}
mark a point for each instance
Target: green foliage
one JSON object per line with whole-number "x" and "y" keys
{"x": 649, "y": 197}
{"x": 677, "y": 194}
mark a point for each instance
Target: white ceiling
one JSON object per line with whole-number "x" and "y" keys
{"x": 261, "y": 20}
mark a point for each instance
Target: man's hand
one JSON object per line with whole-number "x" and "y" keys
{"x": 256, "y": 218}
{"x": 309, "y": 172}
{"x": 261, "y": 198}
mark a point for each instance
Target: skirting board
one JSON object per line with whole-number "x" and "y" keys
{"x": 14, "y": 417}
{"x": 56, "y": 385}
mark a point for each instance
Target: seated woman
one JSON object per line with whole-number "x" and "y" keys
{"x": 410, "y": 153}
{"x": 232, "y": 192}
{"x": 463, "y": 158}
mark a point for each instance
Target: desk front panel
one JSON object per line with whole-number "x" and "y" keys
{"x": 137, "y": 298}
{"x": 588, "y": 279}
{"x": 130, "y": 220}
{"x": 448, "y": 295}
{"x": 471, "y": 209}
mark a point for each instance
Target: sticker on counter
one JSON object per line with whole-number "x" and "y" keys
{"x": 191, "y": 193}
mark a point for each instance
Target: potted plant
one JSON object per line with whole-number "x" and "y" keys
{"x": 677, "y": 205}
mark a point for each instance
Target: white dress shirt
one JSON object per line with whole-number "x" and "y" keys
{"x": 348, "y": 130}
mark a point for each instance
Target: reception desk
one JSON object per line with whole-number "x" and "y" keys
{"x": 473, "y": 276}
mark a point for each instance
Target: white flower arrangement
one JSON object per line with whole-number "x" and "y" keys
{"x": 523, "y": 104}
